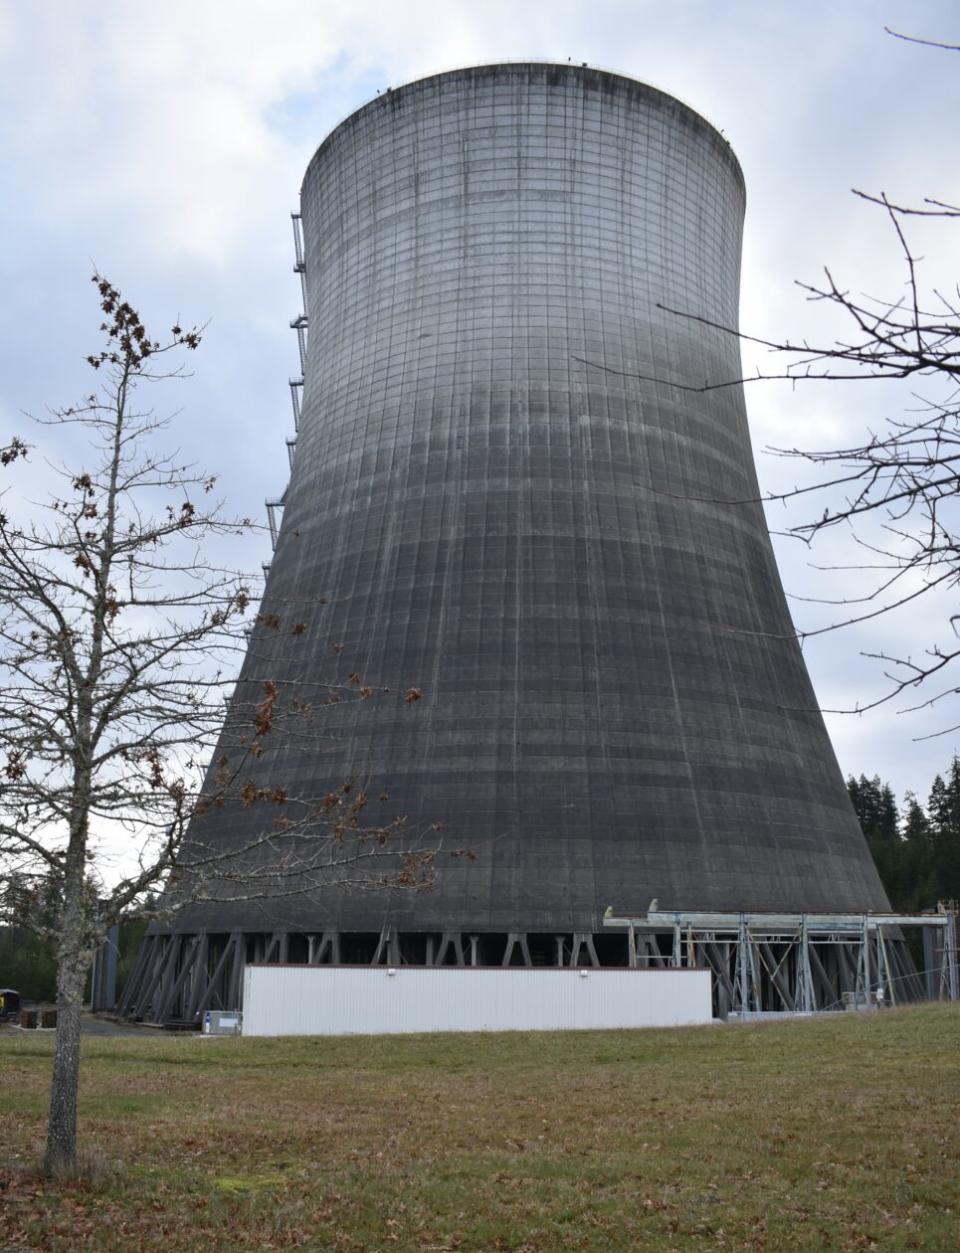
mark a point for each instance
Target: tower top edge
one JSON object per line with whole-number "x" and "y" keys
{"x": 591, "y": 77}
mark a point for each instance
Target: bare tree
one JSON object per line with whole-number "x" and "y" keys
{"x": 904, "y": 480}
{"x": 906, "y": 477}
{"x": 896, "y": 493}
{"x": 120, "y": 634}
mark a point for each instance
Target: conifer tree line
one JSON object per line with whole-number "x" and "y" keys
{"x": 916, "y": 848}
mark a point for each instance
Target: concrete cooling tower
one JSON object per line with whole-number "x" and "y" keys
{"x": 507, "y": 492}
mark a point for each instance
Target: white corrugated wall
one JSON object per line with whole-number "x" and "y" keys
{"x": 379, "y": 1000}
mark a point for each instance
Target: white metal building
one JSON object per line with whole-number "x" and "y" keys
{"x": 383, "y": 1000}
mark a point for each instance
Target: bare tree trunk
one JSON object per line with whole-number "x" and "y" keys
{"x": 61, "y": 1155}
{"x": 72, "y": 962}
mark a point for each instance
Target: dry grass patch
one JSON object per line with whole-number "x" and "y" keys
{"x": 835, "y": 1133}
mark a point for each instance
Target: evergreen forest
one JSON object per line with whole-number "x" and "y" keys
{"x": 916, "y": 848}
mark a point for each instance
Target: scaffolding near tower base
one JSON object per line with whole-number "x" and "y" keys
{"x": 802, "y": 963}
{"x": 761, "y": 963}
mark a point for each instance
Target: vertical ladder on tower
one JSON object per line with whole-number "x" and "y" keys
{"x": 299, "y": 324}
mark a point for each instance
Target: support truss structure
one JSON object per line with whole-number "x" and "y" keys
{"x": 761, "y": 963}
{"x": 177, "y": 977}
{"x": 802, "y": 963}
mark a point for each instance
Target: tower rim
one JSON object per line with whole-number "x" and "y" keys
{"x": 389, "y": 98}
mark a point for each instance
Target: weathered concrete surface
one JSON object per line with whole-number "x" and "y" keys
{"x": 500, "y": 496}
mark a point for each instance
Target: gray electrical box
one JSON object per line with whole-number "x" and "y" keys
{"x": 222, "y": 1022}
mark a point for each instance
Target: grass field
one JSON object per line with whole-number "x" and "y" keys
{"x": 838, "y": 1133}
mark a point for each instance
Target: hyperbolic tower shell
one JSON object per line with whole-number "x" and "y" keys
{"x": 506, "y": 493}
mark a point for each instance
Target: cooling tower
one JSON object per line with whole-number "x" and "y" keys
{"x": 508, "y": 492}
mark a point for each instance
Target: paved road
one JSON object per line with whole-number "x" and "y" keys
{"x": 92, "y": 1025}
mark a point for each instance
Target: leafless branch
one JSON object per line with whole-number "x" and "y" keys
{"x": 927, "y": 43}
{"x": 120, "y": 638}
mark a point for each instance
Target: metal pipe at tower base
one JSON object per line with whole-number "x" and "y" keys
{"x": 790, "y": 963}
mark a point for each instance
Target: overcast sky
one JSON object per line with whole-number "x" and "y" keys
{"x": 166, "y": 145}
